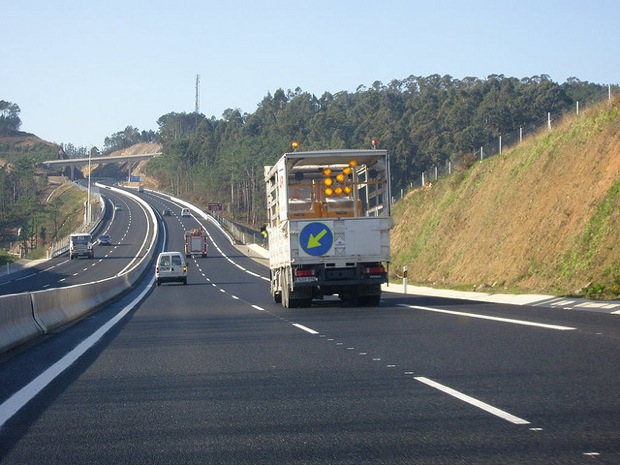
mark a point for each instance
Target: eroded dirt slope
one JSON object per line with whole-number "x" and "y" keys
{"x": 544, "y": 216}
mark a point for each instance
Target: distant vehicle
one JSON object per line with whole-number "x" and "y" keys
{"x": 166, "y": 212}
{"x": 170, "y": 267}
{"x": 196, "y": 243}
{"x": 185, "y": 212}
{"x": 140, "y": 189}
{"x": 81, "y": 245}
{"x": 118, "y": 207}
{"x": 105, "y": 239}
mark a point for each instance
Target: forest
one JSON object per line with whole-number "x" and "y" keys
{"x": 423, "y": 122}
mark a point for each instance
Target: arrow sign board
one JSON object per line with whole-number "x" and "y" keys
{"x": 316, "y": 239}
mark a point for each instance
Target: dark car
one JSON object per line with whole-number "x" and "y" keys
{"x": 166, "y": 212}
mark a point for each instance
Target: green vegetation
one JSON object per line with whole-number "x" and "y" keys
{"x": 29, "y": 216}
{"x": 9, "y": 118}
{"x": 504, "y": 223}
{"x": 423, "y": 121}
{"x": 543, "y": 217}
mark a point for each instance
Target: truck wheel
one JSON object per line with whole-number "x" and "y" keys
{"x": 158, "y": 282}
{"x": 371, "y": 300}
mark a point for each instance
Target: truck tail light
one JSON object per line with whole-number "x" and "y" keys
{"x": 304, "y": 272}
{"x": 375, "y": 269}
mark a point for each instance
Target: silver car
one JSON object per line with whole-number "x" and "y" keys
{"x": 105, "y": 239}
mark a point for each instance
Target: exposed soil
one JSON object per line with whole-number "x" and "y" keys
{"x": 522, "y": 219}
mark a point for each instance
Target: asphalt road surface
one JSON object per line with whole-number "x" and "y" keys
{"x": 130, "y": 235}
{"x": 216, "y": 373}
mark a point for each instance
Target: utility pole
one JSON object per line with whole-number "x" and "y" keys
{"x": 197, "y": 107}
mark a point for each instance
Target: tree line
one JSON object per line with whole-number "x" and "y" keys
{"x": 422, "y": 121}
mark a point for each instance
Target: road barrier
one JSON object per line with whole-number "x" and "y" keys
{"x": 18, "y": 322}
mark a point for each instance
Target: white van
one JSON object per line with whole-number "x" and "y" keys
{"x": 170, "y": 267}
{"x": 185, "y": 212}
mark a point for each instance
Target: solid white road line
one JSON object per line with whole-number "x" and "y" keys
{"x": 18, "y": 400}
{"x": 475, "y": 402}
{"x": 493, "y": 318}
{"x": 305, "y": 328}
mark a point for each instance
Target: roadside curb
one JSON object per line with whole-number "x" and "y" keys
{"x": 534, "y": 300}
{"x": 20, "y": 265}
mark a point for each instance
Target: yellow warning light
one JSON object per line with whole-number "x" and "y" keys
{"x": 338, "y": 190}
{"x": 347, "y": 189}
{"x": 340, "y": 177}
{"x": 328, "y": 181}
{"x": 295, "y": 144}
{"x": 329, "y": 191}
{"x": 327, "y": 172}
{"x": 353, "y": 163}
{"x": 346, "y": 170}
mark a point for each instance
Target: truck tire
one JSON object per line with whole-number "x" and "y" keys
{"x": 369, "y": 296}
{"x": 370, "y": 300}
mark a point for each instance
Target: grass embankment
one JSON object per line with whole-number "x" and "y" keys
{"x": 543, "y": 217}
{"x": 62, "y": 214}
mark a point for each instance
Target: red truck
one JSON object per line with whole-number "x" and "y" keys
{"x": 196, "y": 243}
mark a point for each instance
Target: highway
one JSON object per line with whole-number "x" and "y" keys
{"x": 130, "y": 235}
{"x": 215, "y": 372}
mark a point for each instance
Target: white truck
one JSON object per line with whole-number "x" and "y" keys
{"x": 196, "y": 243}
{"x": 81, "y": 245}
{"x": 329, "y": 221}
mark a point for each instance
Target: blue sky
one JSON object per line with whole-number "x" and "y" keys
{"x": 81, "y": 71}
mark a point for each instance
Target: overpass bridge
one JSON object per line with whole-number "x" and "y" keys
{"x": 72, "y": 163}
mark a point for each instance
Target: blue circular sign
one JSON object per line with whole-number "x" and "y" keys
{"x": 316, "y": 239}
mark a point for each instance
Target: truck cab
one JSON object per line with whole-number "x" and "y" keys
{"x": 81, "y": 245}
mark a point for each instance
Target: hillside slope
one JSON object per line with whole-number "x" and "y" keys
{"x": 542, "y": 217}
{"x": 121, "y": 170}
